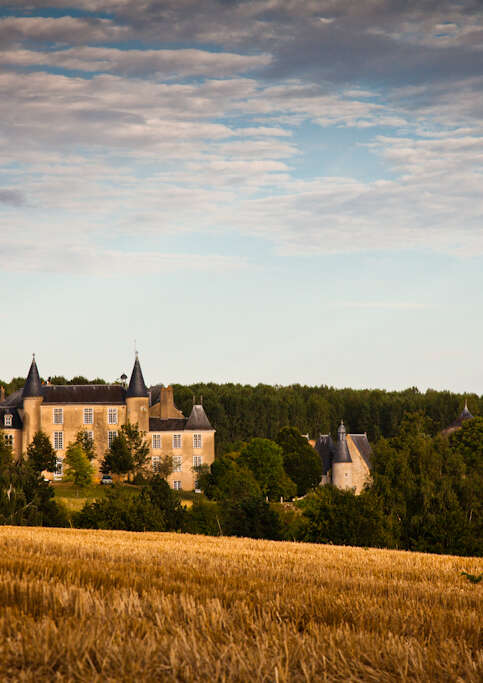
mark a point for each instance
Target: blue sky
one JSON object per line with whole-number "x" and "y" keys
{"x": 256, "y": 191}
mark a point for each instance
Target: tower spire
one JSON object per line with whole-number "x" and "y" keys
{"x": 33, "y": 384}
{"x": 137, "y": 387}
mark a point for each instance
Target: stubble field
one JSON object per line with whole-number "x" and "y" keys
{"x": 103, "y": 605}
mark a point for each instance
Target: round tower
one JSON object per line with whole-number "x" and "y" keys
{"x": 32, "y": 399}
{"x": 342, "y": 462}
{"x": 137, "y": 399}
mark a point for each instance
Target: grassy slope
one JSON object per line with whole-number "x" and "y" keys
{"x": 74, "y": 498}
{"x": 101, "y": 605}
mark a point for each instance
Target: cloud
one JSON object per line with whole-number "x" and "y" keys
{"x": 87, "y": 259}
{"x": 211, "y": 142}
{"x": 160, "y": 63}
{"x": 62, "y": 30}
{"x": 11, "y": 197}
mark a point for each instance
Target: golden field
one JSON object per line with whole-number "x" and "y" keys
{"x": 106, "y": 605}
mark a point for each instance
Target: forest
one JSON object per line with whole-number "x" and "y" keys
{"x": 240, "y": 412}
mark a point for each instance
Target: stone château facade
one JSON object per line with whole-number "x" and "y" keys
{"x": 62, "y": 411}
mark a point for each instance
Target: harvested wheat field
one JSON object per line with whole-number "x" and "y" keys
{"x": 105, "y": 605}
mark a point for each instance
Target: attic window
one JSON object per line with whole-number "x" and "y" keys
{"x": 7, "y": 420}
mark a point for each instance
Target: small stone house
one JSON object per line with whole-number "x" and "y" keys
{"x": 346, "y": 463}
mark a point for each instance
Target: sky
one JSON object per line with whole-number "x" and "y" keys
{"x": 276, "y": 191}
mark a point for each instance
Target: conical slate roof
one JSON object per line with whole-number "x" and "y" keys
{"x": 465, "y": 413}
{"x": 460, "y": 420}
{"x": 341, "y": 450}
{"x": 137, "y": 387}
{"x": 198, "y": 419}
{"x": 33, "y": 385}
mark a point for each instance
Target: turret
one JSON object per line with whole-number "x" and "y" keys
{"x": 137, "y": 398}
{"x": 342, "y": 462}
{"x": 32, "y": 399}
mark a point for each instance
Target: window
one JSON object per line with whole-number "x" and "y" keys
{"x": 59, "y": 441}
{"x": 156, "y": 463}
{"x": 112, "y": 416}
{"x": 58, "y": 416}
{"x": 110, "y": 438}
{"x": 156, "y": 441}
{"x": 177, "y": 462}
{"x": 9, "y": 440}
{"x": 59, "y": 469}
{"x": 177, "y": 485}
{"x": 176, "y": 440}
{"x": 196, "y": 440}
{"x": 88, "y": 416}
{"x": 90, "y": 435}
{"x": 7, "y": 420}
{"x": 197, "y": 459}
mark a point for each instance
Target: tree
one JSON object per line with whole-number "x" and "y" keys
{"x": 226, "y": 480}
{"x": 40, "y": 454}
{"x": 121, "y": 509}
{"x": 137, "y": 445}
{"x": 165, "y": 466}
{"x": 79, "y": 379}
{"x": 341, "y": 517}
{"x": 79, "y": 468}
{"x": 251, "y": 517}
{"x": 155, "y": 508}
{"x": 86, "y": 443}
{"x": 118, "y": 458}
{"x": 25, "y": 498}
{"x": 301, "y": 462}
{"x": 162, "y": 496}
{"x": 264, "y": 459}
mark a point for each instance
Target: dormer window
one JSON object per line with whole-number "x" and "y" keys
{"x": 7, "y": 420}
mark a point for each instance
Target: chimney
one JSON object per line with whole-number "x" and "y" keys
{"x": 2, "y": 393}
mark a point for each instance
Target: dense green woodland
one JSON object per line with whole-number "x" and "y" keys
{"x": 240, "y": 412}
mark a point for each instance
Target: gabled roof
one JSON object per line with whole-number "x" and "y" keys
{"x": 84, "y": 393}
{"x": 33, "y": 385}
{"x": 14, "y": 399}
{"x": 155, "y": 393}
{"x": 198, "y": 419}
{"x": 137, "y": 387}
{"x": 363, "y": 446}
{"x": 325, "y": 448}
{"x": 73, "y": 393}
{"x": 172, "y": 424}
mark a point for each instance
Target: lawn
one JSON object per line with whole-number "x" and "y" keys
{"x": 74, "y": 497}
{"x": 108, "y": 605}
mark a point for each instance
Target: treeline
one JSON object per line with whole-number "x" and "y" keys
{"x": 241, "y": 412}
